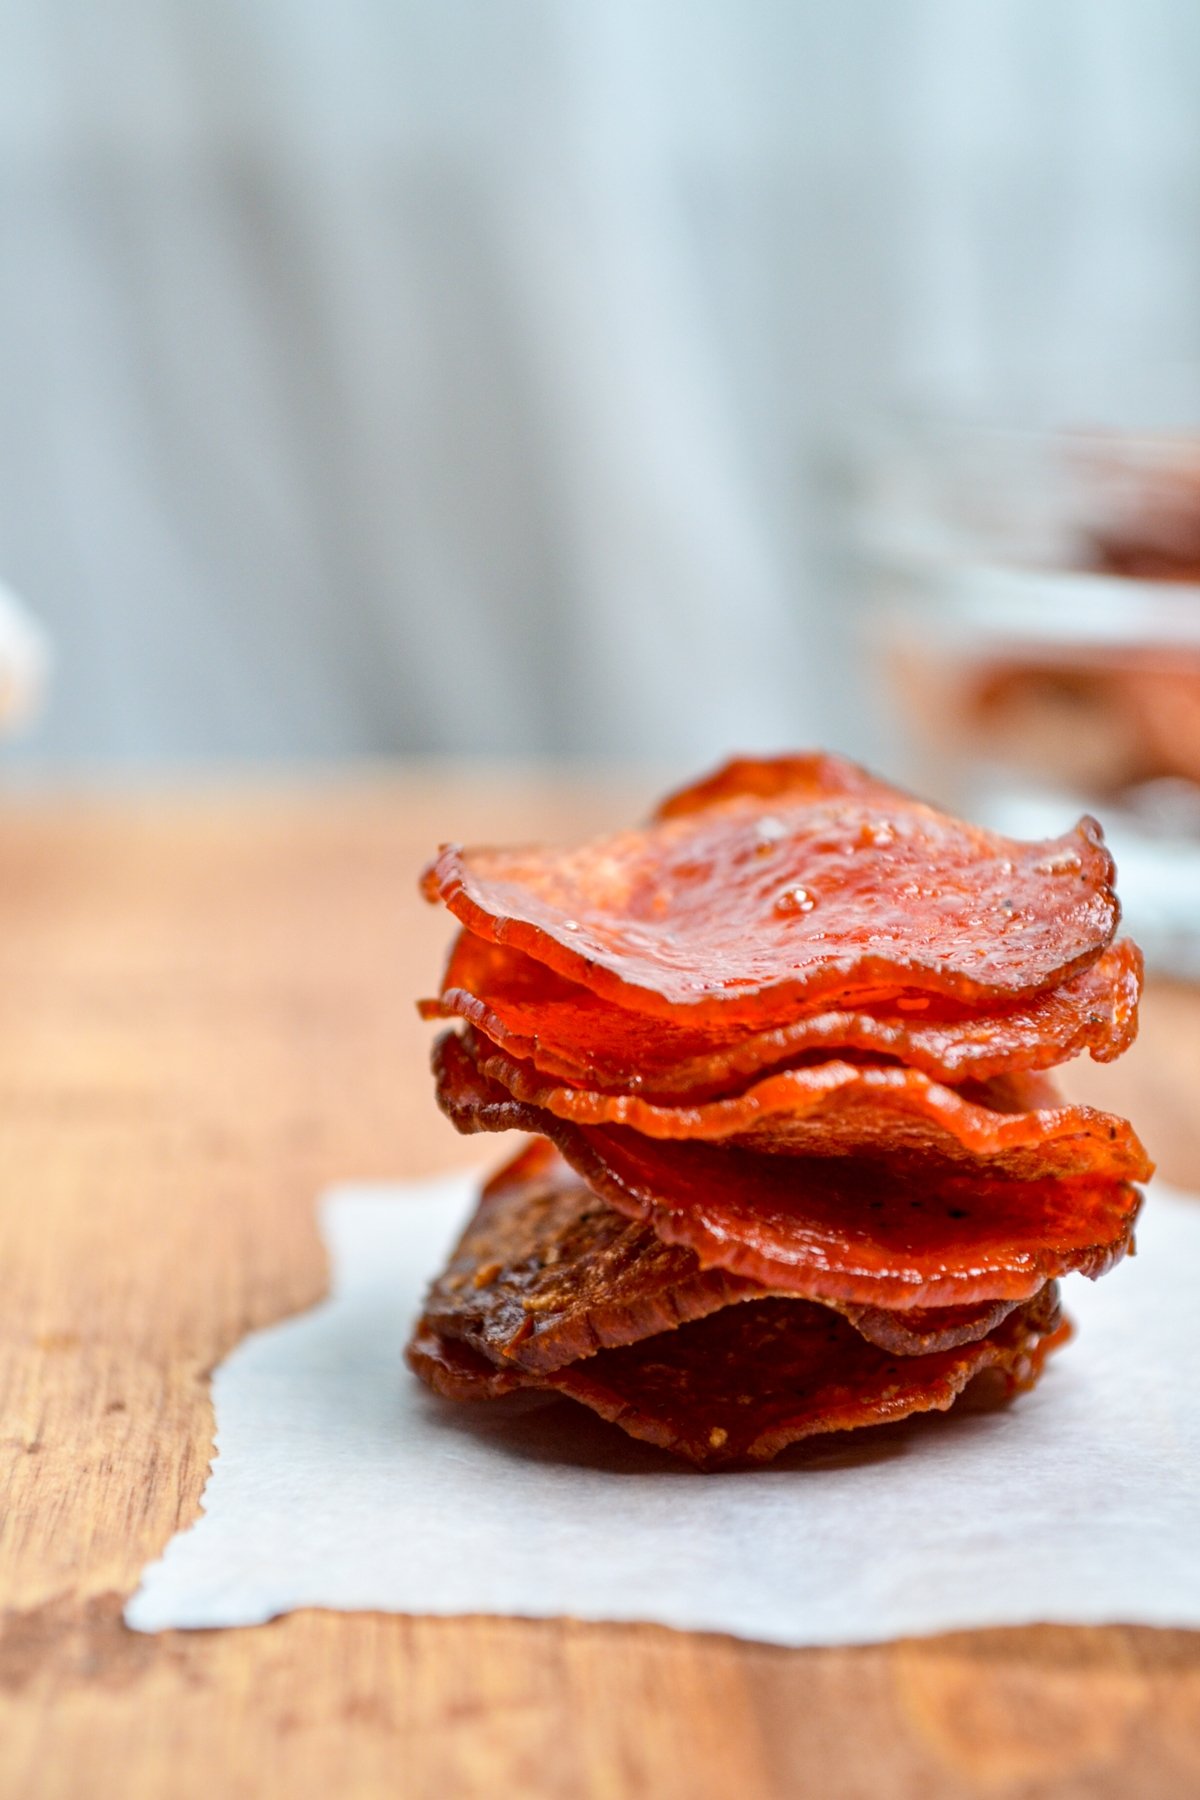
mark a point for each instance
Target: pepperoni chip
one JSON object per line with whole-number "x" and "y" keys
{"x": 742, "y": 1384}
{"x": 843, "y": 1229}
{"x": 568, "y": 1032}
{"x": 778, "y": 884}
{"x": 546, "y": 1274}
{"x": 839, "y": 1108}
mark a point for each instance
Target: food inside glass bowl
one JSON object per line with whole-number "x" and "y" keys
{"x": 1036, "y": 621}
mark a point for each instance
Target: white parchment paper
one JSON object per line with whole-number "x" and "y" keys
{"x": 340, "y": 1482}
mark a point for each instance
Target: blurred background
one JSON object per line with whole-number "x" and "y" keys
{"x": 499, "y": 378}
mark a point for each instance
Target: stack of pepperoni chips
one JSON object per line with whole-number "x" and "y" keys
{"x": 796, "y": 1164}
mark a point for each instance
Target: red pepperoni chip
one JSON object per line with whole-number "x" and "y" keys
{"x": 568, "y": 1032}
{"x": 1015, "y": 1126}
{"x": 855, "y": 1229}
{"x": 781, "y": 883}
{"x": 742, "y": 1384}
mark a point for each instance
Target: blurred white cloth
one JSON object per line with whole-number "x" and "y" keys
{"x": 454, "y": 377}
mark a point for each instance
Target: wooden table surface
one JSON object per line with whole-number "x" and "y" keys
{"x": 207, "y": 1017}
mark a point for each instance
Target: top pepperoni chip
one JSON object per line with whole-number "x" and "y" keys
{"x": 777, "y": 884}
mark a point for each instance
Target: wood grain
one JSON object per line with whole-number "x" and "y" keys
{"x": 208, "y": 1017}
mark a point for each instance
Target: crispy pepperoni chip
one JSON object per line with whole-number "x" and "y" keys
{"x": 1014, "y": 1127}
{"x": 568, "y": 1032}
{"x": 546, "y": 1274}
{"x": 742, "y": 1384}
{"x": 852, "y": 1229}
{"x": 781, "y": 883}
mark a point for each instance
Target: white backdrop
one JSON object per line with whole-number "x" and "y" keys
{"x": 389, "y": 376}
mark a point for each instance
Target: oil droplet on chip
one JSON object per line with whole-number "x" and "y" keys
{"x": 1065, "y": 862}
{"x": 795, "y": 900}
